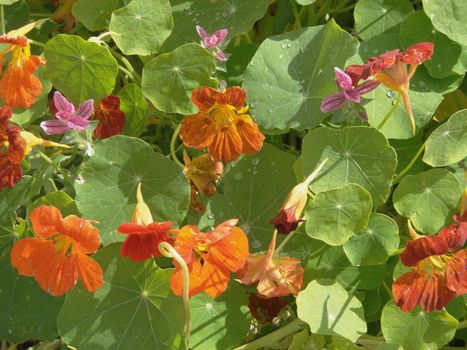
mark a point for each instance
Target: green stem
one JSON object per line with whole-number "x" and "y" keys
{"x": 409, "y": 166}
{"x": 387, "y": 289}
{"x": 462, "y": 325}
{"x": 297, "y": 24}
{"x": 169, "y": 252}
{"x": 390, "y": 113}
{"x": 127, "y": 64}
{"x": 286, "y": 239}
{"x": 43, "y": 156}
{"x": 40, "y": 14}
{"x": 273, "y": 337}
{"x": 173, "y": 140}
{"x": 2, "y": 14}
{"x": 397, "y": 252}
{"x": 36, "y": 43}
{"x": 127, "y": 72}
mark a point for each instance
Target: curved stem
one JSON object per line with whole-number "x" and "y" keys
{"x": 390, "y": 113}
{"x": 172, "y": 146}
{"x": 169, "y": 252}
{"x": 127, "y": 64}
{"x": 410, "y": 165}
{"x": 284, "y": 242}
{"x": 273, "y": 337}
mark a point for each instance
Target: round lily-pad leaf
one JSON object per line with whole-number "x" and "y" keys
{"x": 291, "y": 73}
{"x": 417, "y": 330}
{"x": 429, "y": 199}
{"x": 80, "y": 69}
{"x": 8, "y": 2}
{"x": 331, "y": 263}
{"x": 448, "y": 16}
{"x": 336, "y": 215}
{"x": 418, "y": 28}
{"x": 357, "y": 154}
{"x": 219, "y": 323}
{"x": 94, "y": 15}
{"x": 329, "y": 309}
{"x": 108, "y": 181}
{"x": 374, "y": 17}
{"x": 375, "y": 243}
{"x": 134, "y": 309}
{"x": 142, "y": 26}
{"x": 252, "y": 190}
{"x": 238, "y": 16}
{"x": 135, "y": 107}
{"x": 448, "y": 143}
{"x": 169, "y": 79}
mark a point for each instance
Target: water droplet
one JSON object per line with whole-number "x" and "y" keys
{"x": 270, "y": 110}
{"x": 283, "y": 45}
{"x": 289, "y": 45}
{"x": 238, "y": 176}
{"x": 210, "y": 216}
{"x": 256, "y": 244}
{"x": 393, "y": 102}
{"x": 255, "y": 161}
{"x": 390, "y": 94}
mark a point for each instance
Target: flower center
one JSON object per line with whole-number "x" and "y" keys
{"x": 223, "y": 115}
{"x": 63, "y": 244}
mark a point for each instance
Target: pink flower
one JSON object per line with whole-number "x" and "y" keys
{"x": 213, "y": 41}
{"x": 67, "y": 116}
{"x": 347, "y": 93}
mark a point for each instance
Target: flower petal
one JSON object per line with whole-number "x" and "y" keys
{"x": 85, "y": 236}
{"x": 344, "y": 81}
{"x": 417, "y": 53}
{"x": 204, "y": 98}
{"x": 54, "y": 126}
{"x": 57, "y": 275}
{"x": 176, "y": 280}
{"x": 226, "y": 145}
{"x": 46, "y": 221}
{"x": 332, "y": 102}
{"x": 221, "y": 35}
{"x": 197, "y": 130}
{"x": 28, "y": 253}
{"x": 214, "y": 280}
{"x": 252, "y": 138}
{"x": 456, "y": 272}
{"x": 62, "y": 104}
{"x": 367, "y": 86}
{"x": 86, "y": 109}
{"x": 234, "y": 96}
{"x": 201, "y": 32}
{"x": 89, "y": 271}
{"x": 231, "y": 251}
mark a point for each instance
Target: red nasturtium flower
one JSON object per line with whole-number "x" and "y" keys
{"x": 439, "y": 269}
{"x": 222, "y": 124}
{"x": 144, "y": 234}
{"x": 59, "y": 253}
{"x": 276, "y": 276}
{"x": 19, "y": 88}
{"x": 391, "y": 70}
{"x": 111, "y": 118}
{"x": 210, "y": 257}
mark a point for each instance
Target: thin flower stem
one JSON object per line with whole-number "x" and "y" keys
{"x": 36, "y": 43}
{"x": 387, "y": 289}
{"x": 284, "y": 242}
{"x": 43, "y": 156}
{"x": 2, "y": 13}
{"x": 127, "y": 72}
{"x": 127, "y": 64}
{"x": 297, "y": 24}
{"x": 390, "y": 113}
{"x": 172, "y": 146}
{"x": 410, "y": 165}
{"x": 169, "y": 252}
{"x": 273, "y": 337}
{"x": 40, "y": 14}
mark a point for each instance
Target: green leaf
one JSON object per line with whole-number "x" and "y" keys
{"x": 299, "y": 341}
{"x": 329, "y": 309}
{"x": 375, "y": 243}
{"x": 135, "y": 107}
{"x": 331, "y": 263}
{"x": 252, "y": 190}
{"x": 428, "y": 199}
{"x": 305, "y": 2}
{"x": 291, "y": 73}
{"x": 417, "y": 330}
{"x": 108, "y": 181}
{"x": 80, "y": 69}
{"x": 336, "y": 215}
{"x": 374, "y": 17}
{"x": 58, "y": 199}
{"x": 238, "y": 16}
{"x": 169, "y": 79}
{"x": 448, "y": 16}
{"x": 134, "y": 309}
{"x": 358, "y": 155}
{"x": 94, "y": 15}
{"x": 219, "y": 323}
{"x": 418, "y": 28}
{"x": 141, "y": 27}
{"x": 448, "y": 143}
{"x": 7, "y": 2}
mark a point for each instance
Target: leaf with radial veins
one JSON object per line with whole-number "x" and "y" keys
{"x": 108, "y": 181}
{"x": 448, "y": 143}
{"x": 428, "y": 199}
{"x": 292, "y": 72}
{"x": 134, "y": 309}
{"x": 94, "y": 15}
{"x": 357, "y": 154}
{"x": 135, "y": 107}
{"x": 237, "y": 16}
{"x": 417, "y": 330}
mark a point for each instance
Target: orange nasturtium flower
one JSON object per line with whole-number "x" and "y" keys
{"x": 390, "y": 69}
{"x": 144, "y": 234}
{"x": 64, "y": 15}
{"x": 19, "y": 88}
{"x": 59, "y": 252}
{"x": 222, "y": 124}
{"x": 276, "y": 276}
{"x": 439, "y": 269}
{"x": 111, "y": 118}
{"x": 14, "y": 146}
{"x": 210, "y": 257}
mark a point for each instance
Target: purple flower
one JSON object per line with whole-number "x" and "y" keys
{"x": 213, "y": 41}
{"x": 348, "y": 92}
{"x": 67, "y": 117}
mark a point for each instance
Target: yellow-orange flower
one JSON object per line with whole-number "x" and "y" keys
{"x": 19, "y": 88}
{"x": 222, "y": 124}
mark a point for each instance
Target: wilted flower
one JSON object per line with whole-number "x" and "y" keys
{"x": 213, "y": 41}
{"x": 68, "y": 118}
{"x": 59, "y": 253}
{"x": 144, "y": 234}
{"x": 222, "y": 124}
{"x": 111, "y": 118}
{"x": 210, "y": 257}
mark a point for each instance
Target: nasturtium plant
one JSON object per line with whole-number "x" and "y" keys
{"x": 233, "y": 174}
